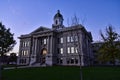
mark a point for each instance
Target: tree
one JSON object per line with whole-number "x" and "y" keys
{"x": 110, "y": 48}
{"x": 75, "y": 22}
{"x": 7, "y": 41}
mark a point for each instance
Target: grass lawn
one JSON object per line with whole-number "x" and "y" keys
{"x": 62, "y": 73}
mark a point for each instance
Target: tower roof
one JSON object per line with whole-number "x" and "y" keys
{"x": 58, "y": 15}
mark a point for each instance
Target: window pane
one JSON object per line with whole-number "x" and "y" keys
{"x": 61, "y": 40}
{"x": 76, "y": 61}
{"x": 76, "y": 38}
{"x": 23, "y": 44}
{"x": 71, "y": 38}
{"x": 61, "y": 60}
{"x": 68, "y": 61}
{"x": 61, "y": 50}
{"x": 76, "y": 50}
{"x": 72, "y": 49}
{"x": 45, "y": 41}
{"x": 68, "y": 49}
{"x": 24, "y": 53}
{"x": 72, "y": 60}
{"x": 27, "y": 53}
{"x": 28, "y": 43}
{"x": 68, "y": 39}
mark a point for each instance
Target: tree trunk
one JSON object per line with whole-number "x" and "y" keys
{"x": 0, "y": 70}
{"x": 1, "y": 58}
{"x": 81, "y": 76}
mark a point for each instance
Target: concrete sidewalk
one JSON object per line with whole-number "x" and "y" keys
{"x": 23, "y": 67}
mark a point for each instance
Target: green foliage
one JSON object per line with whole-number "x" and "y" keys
{"x": 13, "y": 58}
{"x": 7, "y": 41}
{"x": 110, "y": 49}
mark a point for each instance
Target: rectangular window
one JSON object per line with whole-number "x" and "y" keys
{"x": 76, "y": 38}
{"x": 72, "y": 49}
{"x": 28, "y": 43}
{"x": 76, "y": 50}
{"x": 44, "y": 41}
{"x": 22, "y": 53}
{"x": 61, "y": 40}
{"x": 72, "y": 60}
{"x": 76, "y": 61}
{"x": 25, "y": 44}
{"x": 26, "y": 53}
{"x": 68, "y": 61}
{"x": 71, "y": 38}
{"x": 68, "y": 39}
{"x": 68, "y": 50}
{"x": 61, "y": 50}
{"x": 61, "y": 60}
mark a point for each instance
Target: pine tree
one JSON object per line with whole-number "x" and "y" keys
{"x": 110, "y": 49}
{"x": 7, "y": 42}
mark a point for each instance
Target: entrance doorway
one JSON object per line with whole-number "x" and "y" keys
{"x": 43, "y": 56}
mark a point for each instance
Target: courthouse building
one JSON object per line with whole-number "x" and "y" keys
{"x": 58, "y": 45}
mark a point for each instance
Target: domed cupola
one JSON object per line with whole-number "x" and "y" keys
{"x": 58, "y": 20}
{"x": 58, "y": 15}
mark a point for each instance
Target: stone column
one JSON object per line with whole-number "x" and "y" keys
{"x": 81, "y": 48}
{"x": 38, "y": 50}
{"x": 51, "y": 45}
{"x": 34, "y": 48}
{"x": 48, "y": 45}
{"x": 36, "y": 41}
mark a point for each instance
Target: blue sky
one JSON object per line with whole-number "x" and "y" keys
{"x": 24, "y": 16}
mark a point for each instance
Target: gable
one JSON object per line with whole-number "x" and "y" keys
{"x": 41, "y": 29}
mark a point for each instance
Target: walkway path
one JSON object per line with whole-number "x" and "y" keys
{"x": 23, "y": 67}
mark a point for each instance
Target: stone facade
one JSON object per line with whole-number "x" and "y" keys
{"x": 59, "y": 45}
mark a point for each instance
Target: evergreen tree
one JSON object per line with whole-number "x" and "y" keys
{"x": 110, "y": 49}
{"x": 7, "y": 42}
